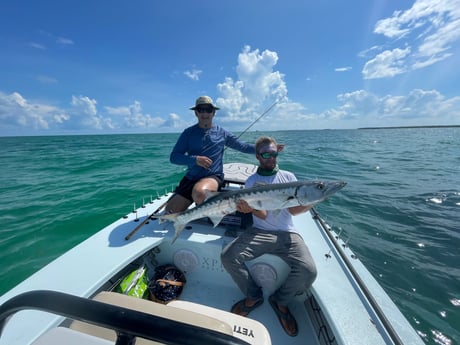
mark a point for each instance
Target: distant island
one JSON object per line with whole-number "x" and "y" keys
{"x": 397, "y": 127}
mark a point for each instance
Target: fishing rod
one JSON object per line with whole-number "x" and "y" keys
{"x": 151, "y": 217}
{"x": 146, "y": 220}
{"x": 256, "y": 120}
{"x": 205, "y": 149}
{"x": 247, "y": 128}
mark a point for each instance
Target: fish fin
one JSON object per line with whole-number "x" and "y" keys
{"x": 167, "y": 217}
{"x": 172, "y": 217}
{"x": 178, "y": 228}
{"x": 216, "y": 219}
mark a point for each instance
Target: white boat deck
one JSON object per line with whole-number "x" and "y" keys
{"x": 208, "y": 283}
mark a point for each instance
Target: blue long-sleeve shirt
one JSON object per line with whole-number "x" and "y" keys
{"x": 210, "y": 142}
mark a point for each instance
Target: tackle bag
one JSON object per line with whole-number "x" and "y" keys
{"x": 135, "y": 284}
{"x": 167, "y": 284}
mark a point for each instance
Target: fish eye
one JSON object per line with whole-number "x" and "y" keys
{"x": 320, "y": 186}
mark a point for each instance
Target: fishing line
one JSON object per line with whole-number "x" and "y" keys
{"x": 205, "y": 149}
{"x": 256, "y": 120}
{"x": 250, "y": 125}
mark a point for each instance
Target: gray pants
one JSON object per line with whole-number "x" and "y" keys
{"x": 288, "y": 246}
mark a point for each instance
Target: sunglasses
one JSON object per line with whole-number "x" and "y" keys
{"x": 267, "y": 155}
{"x": 208, "y": 110}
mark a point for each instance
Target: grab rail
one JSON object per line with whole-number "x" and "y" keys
{"x": 127, "y": 323}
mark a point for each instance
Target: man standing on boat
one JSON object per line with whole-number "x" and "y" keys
{"x": 273, "y": 233}
{"x": 201, "y": 148}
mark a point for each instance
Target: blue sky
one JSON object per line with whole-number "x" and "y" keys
{"x": 78, "y": 67}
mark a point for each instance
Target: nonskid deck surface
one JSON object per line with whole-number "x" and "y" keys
{"x": 223, "y": 299}
{"x": 344, "y": 316}
{"x": 198, "y": 255}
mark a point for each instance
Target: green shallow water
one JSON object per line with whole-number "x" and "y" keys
{"x": 400, "y": 211}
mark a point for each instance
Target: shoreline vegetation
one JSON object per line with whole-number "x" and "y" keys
{"x": 397, "y": 127}
{"x": 235, "y": 132}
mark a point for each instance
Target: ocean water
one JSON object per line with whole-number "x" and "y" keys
{"x": 400, "y": 212}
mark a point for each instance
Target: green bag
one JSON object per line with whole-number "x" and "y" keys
{"x": 135, "y": 284}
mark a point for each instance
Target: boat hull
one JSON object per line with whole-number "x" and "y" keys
{"x": 336, "y": 310}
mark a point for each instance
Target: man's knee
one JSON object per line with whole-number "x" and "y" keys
{"x": 177, "y": 203}
{"x": 199, "y": 196}
{"x": 230, "y": 257}
{"x": 200, "y": 189}
{"x": 309, "y": 271}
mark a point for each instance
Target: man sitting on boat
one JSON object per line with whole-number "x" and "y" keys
{"x": 273, "y": 233}
{"x": 201, "y": 148}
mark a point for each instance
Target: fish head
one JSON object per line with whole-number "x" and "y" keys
{"x": 313, "y": 192}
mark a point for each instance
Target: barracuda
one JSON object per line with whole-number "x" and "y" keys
{"x": 262, "y": 197}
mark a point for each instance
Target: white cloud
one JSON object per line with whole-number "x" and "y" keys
{"x": 117, "y": 111}
{"x": 37, "y": 45}
{"x": 260, "y": 90}
{"x": 16, "y": 111}
{"x": 369, "y": 51}
{"x": 417, "y": 107}
{"x": 64, "y": 41}
{"x": 85, "y": 116}
{"x": 174, "y": 121}
{"x": 429, "y": 29}
{"x": 46, "y": 80}
{"x": 386, "y": 64}
{"x": 137, "y": 119}
{"x": 85, "y": 105}
{"x": 133, "y": 117}
{"x": 343, "y": 69}
{"x": 257, "y": 86}
{"x": 359, "y": 108}
{"x": 193, "y": 74}
{"x": 18, "y": 115}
